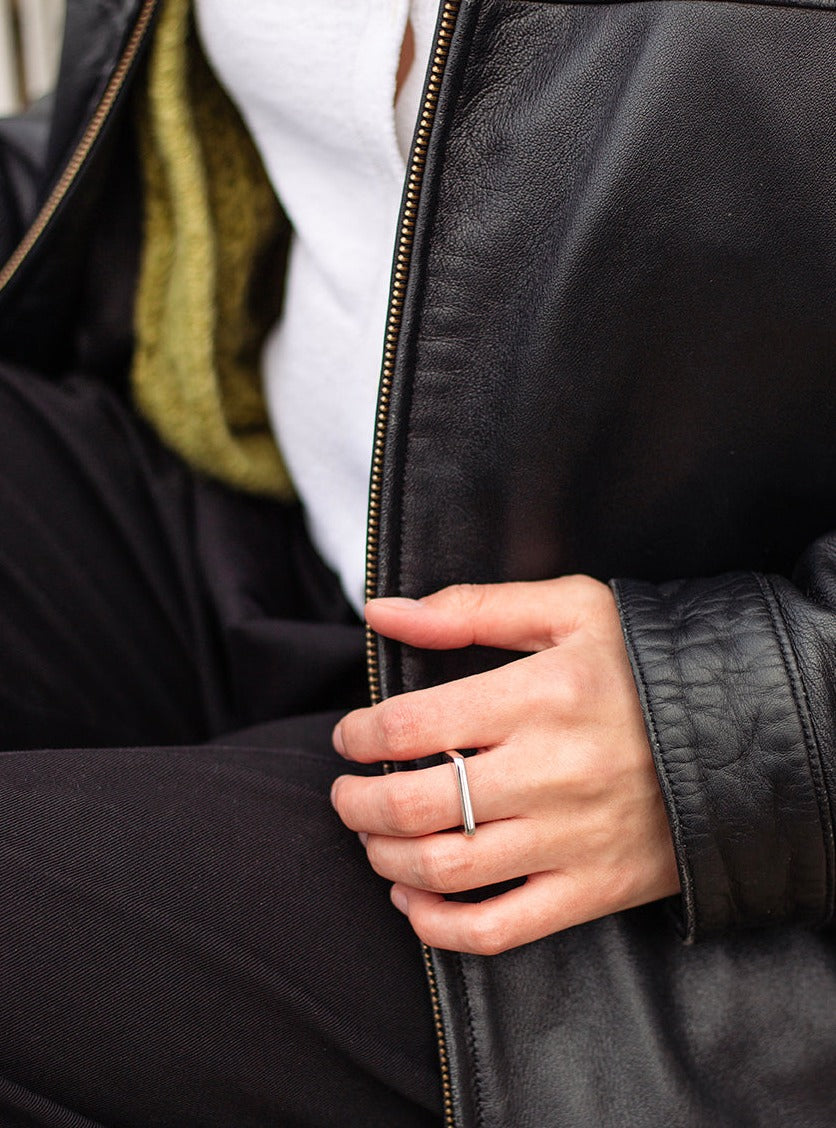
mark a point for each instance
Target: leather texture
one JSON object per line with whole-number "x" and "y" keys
{"x": 22, "y": 155}
{"x": 80, "y": 276}
{"x": 735, "y": 744}
{"x": 618, "y": 356}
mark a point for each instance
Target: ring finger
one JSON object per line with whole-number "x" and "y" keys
{"x": 410, "y": 804}
{"x": 450, "y": 863}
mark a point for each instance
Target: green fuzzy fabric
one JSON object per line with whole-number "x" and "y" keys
{"x": 211, "y": 221}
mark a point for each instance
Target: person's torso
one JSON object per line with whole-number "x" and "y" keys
{"x": 613, "y": 351}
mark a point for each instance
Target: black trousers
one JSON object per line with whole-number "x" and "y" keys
{"x": 188, "y": 935}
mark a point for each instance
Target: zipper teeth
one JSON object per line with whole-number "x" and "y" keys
{"x": 403, "y": 257}
{"x": 443, "y": 1057}
{"x": 83, "y": 148}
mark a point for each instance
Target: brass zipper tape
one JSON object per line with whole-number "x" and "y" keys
{"x": 82, "y": 150}
{"x": 403, "y": 256}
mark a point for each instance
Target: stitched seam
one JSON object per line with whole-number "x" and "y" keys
{"x": 793, "y": 669}
{"x": 471, "y": 1037}
{"x": 668, "y": 790}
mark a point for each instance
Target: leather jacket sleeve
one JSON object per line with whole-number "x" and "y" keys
{"x": 23, "y": 140}
{"x": 737, "y": 678}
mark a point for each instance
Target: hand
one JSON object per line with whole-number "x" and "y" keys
{"x": 564, "y": 789}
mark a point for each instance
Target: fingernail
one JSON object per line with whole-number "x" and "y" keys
{"x": 399, "y": 899}
{"x": 337, "y": 740}
{"x": 334, "y": 793}
{"x": 364, "y": 838}
{"x": 397, "y": 603}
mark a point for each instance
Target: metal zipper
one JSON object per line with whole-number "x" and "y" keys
{"x": 403, "y": 256}
{"x": 85, "y": 145}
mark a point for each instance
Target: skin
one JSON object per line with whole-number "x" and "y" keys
{"x": 564, "y": 789}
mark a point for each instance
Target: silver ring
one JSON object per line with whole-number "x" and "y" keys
{"x": 468, "y": 821}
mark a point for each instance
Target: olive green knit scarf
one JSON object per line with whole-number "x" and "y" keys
{"x": 211, "y": 220}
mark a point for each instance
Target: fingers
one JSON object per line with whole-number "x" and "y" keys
{"x": 417, "y": 803}
{"x": 451, "y": 863}
{"x": 481, "y": 711}
{"x": 512, "y": 616}
{"x": 548, "y": 902}
{"x": 545, "y": 904}
{"x": 470, "y": 713}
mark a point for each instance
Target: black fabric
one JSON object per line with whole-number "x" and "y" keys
{"x": 188, "y": 935}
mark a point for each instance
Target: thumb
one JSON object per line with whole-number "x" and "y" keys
{"x": 513, "y": 616}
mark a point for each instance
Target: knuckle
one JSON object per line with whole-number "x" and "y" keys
{"x": 570, "y": 690}
{"x": 439, "y": 869}
{"x": 489, "y": 936}
{"x": 426, "y": 867}
{"x": 467, "y": 598}
{"x": 398, "y": 726}
{"x": 406, "y": 808}
{"x": 583, "y": 784}
{"x": 585, "y": 587}
{"x": 595, "y": 596}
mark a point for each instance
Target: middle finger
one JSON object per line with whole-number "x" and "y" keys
{"x": 410, "y": 804}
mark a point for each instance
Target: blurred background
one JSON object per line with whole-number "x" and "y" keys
{"x": 30, "y": 40}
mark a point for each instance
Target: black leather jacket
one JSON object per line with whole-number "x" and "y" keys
{"x": 612, "y": 350}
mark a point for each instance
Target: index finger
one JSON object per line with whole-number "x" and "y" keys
{"x": 473, "y": 712}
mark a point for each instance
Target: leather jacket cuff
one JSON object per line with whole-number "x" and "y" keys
{"x": 734, "y": 750}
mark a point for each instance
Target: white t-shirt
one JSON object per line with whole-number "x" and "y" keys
{"x": 315, "y": 84}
